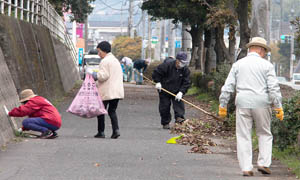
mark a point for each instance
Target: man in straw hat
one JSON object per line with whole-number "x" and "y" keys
{"x": 173, "y": 76}
{"x": 254, "y": 80}
{"x": 42, "y": 115}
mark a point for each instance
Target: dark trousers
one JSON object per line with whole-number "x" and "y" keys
{"x": 38, "y": 124}
{"x": 112, "y": 107}
{"x": 164, "y": 108}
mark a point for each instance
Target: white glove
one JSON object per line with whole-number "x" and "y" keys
{"x": 89, "y": 71}
{"x": 178, "y": 97}
{"x": 20, "y": 130}
{"x": 6, "y": 110}
{"x": 141, "y": 74}
{"x": 158, "y": 86}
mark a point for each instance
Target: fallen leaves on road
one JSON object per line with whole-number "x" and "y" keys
{"x": 197, "y": 132}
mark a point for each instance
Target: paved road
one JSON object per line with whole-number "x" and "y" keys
{"x": 139, "y": 154}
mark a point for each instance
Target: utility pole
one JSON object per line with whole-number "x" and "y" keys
{"x": 86, "y": 34}
{"x": 171, "y": 40}
{"x": 149, "y": 37}
{"x": 281, "y": 18}
{"x": 143, "y": 35}
{"x": 157, "y": 45}
{"x": 292, "y": 56}
{"x": 186, "y": 41}
{"x": 163, "y": 39}
{"x": 130, "y": 20}
{"x": 74, "y": 36}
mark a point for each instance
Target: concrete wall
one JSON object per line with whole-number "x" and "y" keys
{"x": 32, "y": 59}
{"x": 68, "y": 69}
{"x": 8, "y": 97}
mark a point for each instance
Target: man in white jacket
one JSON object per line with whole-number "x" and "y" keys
{"x": 110, "y": 86}
{"x": 254, "y": 80}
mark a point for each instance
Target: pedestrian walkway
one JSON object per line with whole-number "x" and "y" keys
{"x": 139, "y": 154}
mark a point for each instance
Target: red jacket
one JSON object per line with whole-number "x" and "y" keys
{"x": 38, "y": 107}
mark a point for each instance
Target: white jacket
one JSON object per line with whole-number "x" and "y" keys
{"x": 110, "y": 78}
{"x": 254, "y": 80}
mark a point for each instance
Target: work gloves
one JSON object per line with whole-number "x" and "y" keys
{"x": 279, "y": 113}
{"x": 178, "y": 96}
{"x": 20, "y": 130}
{"x": 6, "y": 110}
{"x": 158, "y": 86}
{"x": 89, "y": 71}
{"x": 222, "y": 112}
{"x": 92, "y": 73}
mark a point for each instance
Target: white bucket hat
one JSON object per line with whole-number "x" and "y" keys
{"x": 258, "y": 41}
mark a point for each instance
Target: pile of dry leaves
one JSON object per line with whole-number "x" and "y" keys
{"x": 197, "y": 133}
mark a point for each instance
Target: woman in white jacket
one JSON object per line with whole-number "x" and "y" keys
{"x": 110, "y": 85}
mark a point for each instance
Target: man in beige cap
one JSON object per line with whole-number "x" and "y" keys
{"x": 254, "y": 80}
{"x": 42, "y": 115}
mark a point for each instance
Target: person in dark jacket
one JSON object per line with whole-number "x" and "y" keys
{"x": 173, "y": 76}
{"x": 42, "y": 115}
{"x": 169, "y": 59}
{"x": 140, "y": 67}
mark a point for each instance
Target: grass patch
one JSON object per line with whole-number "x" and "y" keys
{"x": 289, "y": 157}
{"x": 204, "y": 97}
{"x": 193, "y": 91}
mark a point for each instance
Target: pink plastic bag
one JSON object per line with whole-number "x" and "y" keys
{"x": 87, "y": 103}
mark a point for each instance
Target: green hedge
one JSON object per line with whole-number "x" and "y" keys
{"x": 286, "y": 132}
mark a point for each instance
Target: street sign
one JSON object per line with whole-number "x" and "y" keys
{"x": 177, "y": 44}
{"x": 154, "y": 40}
{"x": 293, "y": 57}
{"x": 80, "y": 55}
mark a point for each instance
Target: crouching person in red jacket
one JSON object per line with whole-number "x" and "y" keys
{"x": 42, "y": 115}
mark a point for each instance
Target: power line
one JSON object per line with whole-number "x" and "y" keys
{"x": 110, "y": 6}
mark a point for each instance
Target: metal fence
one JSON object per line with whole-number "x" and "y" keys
{"x": 39, "y": 12}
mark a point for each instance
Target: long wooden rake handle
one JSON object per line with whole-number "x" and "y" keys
{"x": 191, "y": 104}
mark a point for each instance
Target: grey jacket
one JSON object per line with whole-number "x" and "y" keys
{"x": 254, "y": 80}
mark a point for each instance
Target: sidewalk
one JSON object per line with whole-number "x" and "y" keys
{"x": 139, "y": 154}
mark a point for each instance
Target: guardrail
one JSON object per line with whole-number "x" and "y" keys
{"x": 39, "y": 12}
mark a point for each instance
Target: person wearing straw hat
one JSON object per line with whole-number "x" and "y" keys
{"x": 254, "y": 80}
{"x": 42, "y": 115}
{"x": 173, "y": 76}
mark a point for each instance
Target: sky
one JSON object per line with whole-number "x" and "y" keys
{"x": 114, "y": 10}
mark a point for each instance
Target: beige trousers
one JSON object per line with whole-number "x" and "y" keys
{"x": 244, "y": 121}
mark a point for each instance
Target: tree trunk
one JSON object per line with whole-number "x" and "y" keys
{"x": 260, "y": 19}
{"x": 219, "y": 48}
{"x": 232, "y": 42}
{"x": 199, "y": 50}
{"x": 210, "y": 42}
{"x": 242, "y": 11}
{"x": 196, "y": 34}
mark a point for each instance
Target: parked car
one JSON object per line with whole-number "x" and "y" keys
{"x": 296, "y": 79}
{"x": 93, "y": 51}
{"x": 90, "y": 61}
{"x": 281, "y": 79}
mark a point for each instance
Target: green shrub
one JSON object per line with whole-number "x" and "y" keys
{"x": 286, "y": 132}
{"x": 151, "y": 68}
{"x": 219, "y": 78}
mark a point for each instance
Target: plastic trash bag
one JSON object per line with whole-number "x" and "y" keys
{"x": 87, "y": 103}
